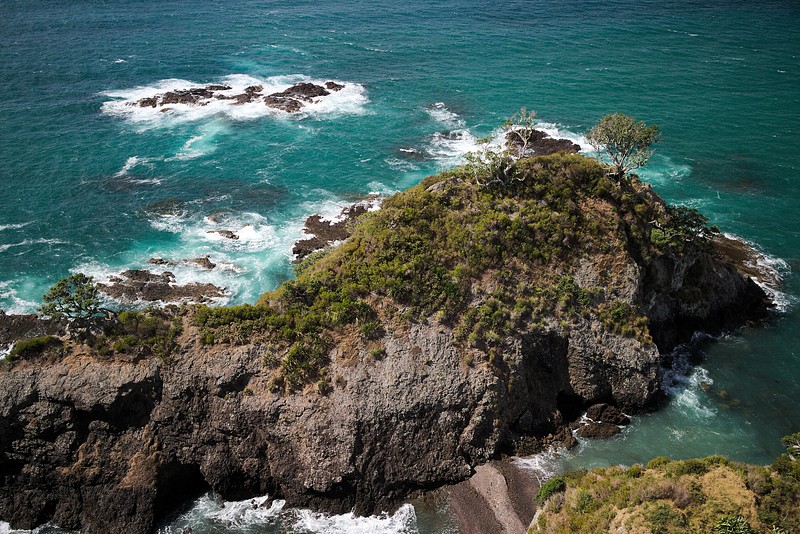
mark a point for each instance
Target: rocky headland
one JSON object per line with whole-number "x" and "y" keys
{"x": 457, "y": 323}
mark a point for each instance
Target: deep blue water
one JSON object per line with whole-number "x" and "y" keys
{"x": 88, "y": 185}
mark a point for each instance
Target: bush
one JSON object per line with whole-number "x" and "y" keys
{"x": 554, "y": 485}
{"x": 29, "y": 348}
{"x": 732, "y": 525}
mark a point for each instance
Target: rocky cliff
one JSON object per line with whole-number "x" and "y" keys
{"x": 457, "y": 323}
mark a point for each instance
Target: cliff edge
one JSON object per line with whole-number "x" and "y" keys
{"x": 457, "y": 323}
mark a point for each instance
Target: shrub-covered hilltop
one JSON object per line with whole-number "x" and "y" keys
{"x": 470, "y": 316}
{"x": 706, "y": 495}
{"x": 560, "y": 244}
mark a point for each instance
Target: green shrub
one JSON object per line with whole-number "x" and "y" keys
{"x": 554, "y": 485}
{"x": 29, "y": 348}
{"x": 732, "y": 525}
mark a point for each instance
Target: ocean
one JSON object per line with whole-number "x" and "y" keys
{"x": 90, "y": 184}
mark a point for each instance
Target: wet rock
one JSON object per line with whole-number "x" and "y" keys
{"x": 141, "y": 285}
{"x": 186, "y": 96}
{"x": 598, "y": 430}
{"x": 203, "y": 262}
{"x": 149, "y": 102}
{"x": 605, "y": 413}
{"x": 159, "y": 261}
{"x": 333, "y": 86}
{"x": 325, "y": 232}
{"x": 289, "y": 105}
{"x": 224, "y": 233}
{"x": 254, "y": 89}
{"x": 303, "y": 91}
{"x": 218, "y": 87}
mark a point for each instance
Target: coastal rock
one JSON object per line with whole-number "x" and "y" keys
{"x": 605, "y": 413}
{"x": 110, "y": 444}
{"x": 290, "y": 100}
{"x": 137, "y": 285}
{"x": 16, "y": 327}
{"x": 326, "y": 232}
{"x": 203, "y": 262}
{"x": 540, "y": 144}
{"x": 598, "y": 430}
{"x": 289, "y": 105}
{"x": 228, "y": 234}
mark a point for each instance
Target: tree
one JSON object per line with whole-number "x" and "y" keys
{"x": 625, "y": 141}
{"x": 496, "y": 164}
{"x": 76, "y": 299}
{"x": 521, "y": 131}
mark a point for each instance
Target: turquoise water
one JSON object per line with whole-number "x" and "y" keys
{"x": 88, "y": 185}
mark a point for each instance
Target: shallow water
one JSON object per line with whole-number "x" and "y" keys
{"x": 92, "y": 185}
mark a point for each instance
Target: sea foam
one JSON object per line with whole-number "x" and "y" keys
{"x": 350, "y": 100}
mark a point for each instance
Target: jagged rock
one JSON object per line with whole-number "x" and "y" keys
{"x": 541, "y": 144}
{"x": 289, "y": 105}
{"x": 159, "y": 261}
{"x": 224, "y": 233}
{"x": 253, "y": 89}
{"x": 136, "y": 285}
{"x": 303, "y": 91}
{"x": 204, "y": 262}
{"x": 149, "y": 102}
{"x": 333, "y": 86}
{"x": 598, "y": 430}
{"x": 218, "y": 87}
{"x": 325, "y": 232}
{"x": 605, "y": 413}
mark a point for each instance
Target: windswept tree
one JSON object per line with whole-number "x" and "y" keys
{"x": 624, "y": 140}
{"x": 521, "y": 132}
{"x": 497, "y": 163}
{"x": 76, "y": 300}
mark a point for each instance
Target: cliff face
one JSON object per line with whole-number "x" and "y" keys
{"x": 112, "y": 443}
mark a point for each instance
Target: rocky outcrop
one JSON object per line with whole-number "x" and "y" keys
{"x": 539, "y": 143}
{"x": 140, "y": 285}
{"x": 291, "y": 100}
{"x": 110, "y": 444}
{"x": 326, "y": 232}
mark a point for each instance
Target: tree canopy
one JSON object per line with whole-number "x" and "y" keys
{"x": 74, "y": 298}
{"x": 624, "y": 140}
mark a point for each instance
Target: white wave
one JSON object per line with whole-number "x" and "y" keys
{"x": 774, "y": 271}
{"x": 401, "y": 164}
{"x": 5, "y": 528}
{"x": 404, "y": 520}
{"x": 252, "y": 231}
{"x": 15, "y": 226}
{"x": 237, "y": 516}
{"x": 4, "y": 352}
{"x": 132, "y": 162}
{"x": 544, "y": 465}
{"x": 12, "y": 302}
{"x": 349, "y": 100}
{"x": 440, "y": 113}
{"x": 27, "y": 242}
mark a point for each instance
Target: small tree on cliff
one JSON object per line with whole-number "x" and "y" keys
{"x": 624, "y": 140}
{"x": 76, "y": 300}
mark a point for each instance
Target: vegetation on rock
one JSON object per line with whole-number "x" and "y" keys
{"x": 75, "y": 299}
{"x": 489, "y": 261}
{"x": 700, "y": 495}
